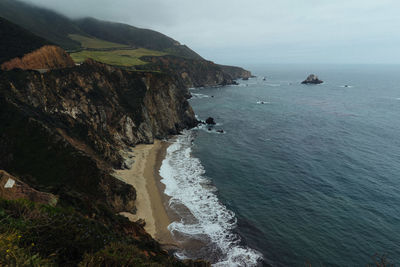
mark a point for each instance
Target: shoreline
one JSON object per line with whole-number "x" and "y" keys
{"x": 151, "y": 202}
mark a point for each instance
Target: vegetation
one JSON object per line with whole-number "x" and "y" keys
{"x": 123, "y": 57}
{"x": 88, "y": 42}
{"x": 41, "y": 235}
{"x": 68, "y": 33}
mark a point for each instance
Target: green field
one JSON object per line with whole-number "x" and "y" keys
{"x": 95, "y": 43}
{"x": 121, "y": 57}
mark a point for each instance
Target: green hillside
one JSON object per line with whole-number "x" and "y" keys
{"x": 87, "y": 33}
{"x": 16, "y": 41}
{"x": 94, "y": 43}
{"x": 129, "y": 35}
{"x": 119, "y": 57}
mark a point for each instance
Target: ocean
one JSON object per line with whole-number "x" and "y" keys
{"x": 302, "y": 174}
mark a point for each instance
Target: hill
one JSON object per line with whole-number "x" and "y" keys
{"x": 133, "y": 36}
{"x": 16, "y": 41}
{"x": 119, "y": 44}
{"x": 63, "y": 31}
{"x": 24, "y": 50}
{"x": 42, "y": 22}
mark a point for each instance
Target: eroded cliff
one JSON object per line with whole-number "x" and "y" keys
{"x": 63, "y": 131}
{"x": 195, "y": 72}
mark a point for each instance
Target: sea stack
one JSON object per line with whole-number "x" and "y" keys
{"x": 312, "y": 79}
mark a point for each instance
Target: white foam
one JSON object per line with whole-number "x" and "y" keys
{"x": 197, "y": 95}
{"x": 263, "y": 102}
{"x": 185, "y": 183}
{"x": 210, "y": 128}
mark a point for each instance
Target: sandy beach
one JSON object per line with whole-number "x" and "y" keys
{"x": 151, "y": 202}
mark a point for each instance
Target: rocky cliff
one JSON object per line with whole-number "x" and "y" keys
{"x": 236, "y": 72}
{"x": 63, "y": 131}
{"x": 195, "y": 72}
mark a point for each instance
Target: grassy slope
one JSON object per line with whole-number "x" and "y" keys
{"x": 58, "y": 29}
{"x": 95, "y": 43}
{"x": 126, "y": 34}
{"x": 118, "y": 57}
{"x": 110, "y": 53}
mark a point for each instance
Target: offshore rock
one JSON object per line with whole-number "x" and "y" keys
{"x": 210, "y": 121}
{"x": 312, "y": 79}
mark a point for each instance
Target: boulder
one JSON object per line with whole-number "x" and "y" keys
{"x": 210, "y": 121}
{"x": 312, "y": 79}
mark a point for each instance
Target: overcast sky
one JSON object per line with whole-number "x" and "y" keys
{"x": 261, "y": 31}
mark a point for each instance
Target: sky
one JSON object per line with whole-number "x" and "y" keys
{"x": 261, "y": 31}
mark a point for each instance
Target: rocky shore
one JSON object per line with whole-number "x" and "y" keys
{"x": 84, "y": 140}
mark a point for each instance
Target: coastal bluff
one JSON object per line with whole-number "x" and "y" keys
{"x": 66, "y": 128}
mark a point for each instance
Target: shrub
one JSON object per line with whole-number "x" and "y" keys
{"x": 11, "y": 254}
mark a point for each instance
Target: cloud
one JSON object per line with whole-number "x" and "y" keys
{"x": 273, "y": 30}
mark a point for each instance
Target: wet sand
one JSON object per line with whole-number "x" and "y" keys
{"x": 151, "y": 202}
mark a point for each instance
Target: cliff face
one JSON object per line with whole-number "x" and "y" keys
{"x": 235, "y": 72}
{"x": 194, "y": 72}
{"x": 63, "y": 131}
{"x": 46, "y": 57}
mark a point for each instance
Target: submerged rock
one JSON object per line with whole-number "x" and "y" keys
{"x": 312, "y": 79}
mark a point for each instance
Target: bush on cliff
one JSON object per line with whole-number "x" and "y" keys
{"x": 41, "y": 235}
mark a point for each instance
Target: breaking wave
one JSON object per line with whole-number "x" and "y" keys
{"x": 186, "y": 184}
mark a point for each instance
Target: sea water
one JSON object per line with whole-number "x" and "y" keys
{"x": 301, "y": 173}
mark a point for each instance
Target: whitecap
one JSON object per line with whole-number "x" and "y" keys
{"x": 186, "y": 184}
{"x": 210, "y": 128}
{"x": 273, "y": 84}
{"x": 198, "y": 95}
